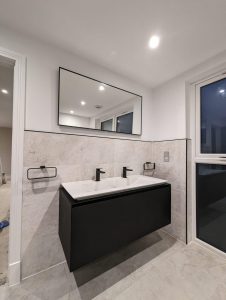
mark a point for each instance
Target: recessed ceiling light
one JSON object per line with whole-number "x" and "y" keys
{"x": 154, "y": 42}
{"x": 101, "y": 88}
{"x": 221, "y": 91}
{"x": 4, "y": 91}
{"x": 83, "y": 103}
{"x": 71, "y": 112}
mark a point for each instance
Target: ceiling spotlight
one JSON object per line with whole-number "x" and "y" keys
{"x": 4, "y": 91}
{"x": 221, "y": 91}
{"x": 154, "y": 42}
{"x": 101, "y": 88}
{"x": 71, "y": 112}
{"x": 83, "y": 103}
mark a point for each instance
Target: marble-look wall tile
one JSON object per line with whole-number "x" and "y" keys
{"x": 41, "y": 247}
{"x": 189, "y": 189}
{"x": 76, "y": 158}
{"x": 175, "y": 172}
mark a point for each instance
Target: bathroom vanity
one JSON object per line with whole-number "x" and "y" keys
{"x": 97, "y": 218}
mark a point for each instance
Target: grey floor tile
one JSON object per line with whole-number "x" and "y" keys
{"x": 191, "y": 269}
{"x": 219, "y": 293}
{"x": 48, "y": 285}
{"x": 153, "y": 286}
{"x": 156, "y": 267}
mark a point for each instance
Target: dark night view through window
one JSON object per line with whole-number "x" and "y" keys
{"x": 213, "y": 117}
{"x": 125, "y": 123}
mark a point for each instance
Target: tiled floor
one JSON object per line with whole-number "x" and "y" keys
{"x": 156, "y": 267}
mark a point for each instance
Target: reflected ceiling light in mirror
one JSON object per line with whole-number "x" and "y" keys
{"x": 154, "y": 42}
{"x": 4, "y": 91}
{"x": 101, "y": 88}
{"x": 83, "y": 102}
{"x": 71, "y": 112}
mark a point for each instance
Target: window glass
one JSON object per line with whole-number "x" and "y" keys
{"x": 125, "y": 123}
{"x": 213, "y": 117}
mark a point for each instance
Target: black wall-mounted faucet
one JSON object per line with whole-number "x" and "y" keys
{"x": 98, "y": 172}
{"x": 124, "y": 172}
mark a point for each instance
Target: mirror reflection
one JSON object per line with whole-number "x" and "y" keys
{"x": 88, "y": 103}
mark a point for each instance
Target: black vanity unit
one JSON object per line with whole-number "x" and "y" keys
{"x": 94, "y": 227}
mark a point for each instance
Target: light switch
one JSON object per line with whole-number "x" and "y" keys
{"x": 166, "y": 156}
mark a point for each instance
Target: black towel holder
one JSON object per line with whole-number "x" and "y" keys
{"x": 41, "y": 168}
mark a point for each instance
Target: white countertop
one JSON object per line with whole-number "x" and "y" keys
{"x": 80, "y": 190}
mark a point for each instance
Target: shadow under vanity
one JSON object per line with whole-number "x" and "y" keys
{"x": 99, "y": 217}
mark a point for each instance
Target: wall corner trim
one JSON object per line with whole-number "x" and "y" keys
{"x": 14, "y": 273}
{"x": 19, "y": 85}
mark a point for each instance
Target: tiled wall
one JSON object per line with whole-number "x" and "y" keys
{"x": 76, "y": 158}
{"x": 189, "y": 189}
{"x": 175, "y": 172}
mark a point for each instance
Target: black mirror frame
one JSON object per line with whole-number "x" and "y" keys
{"x": 87, "y": 128}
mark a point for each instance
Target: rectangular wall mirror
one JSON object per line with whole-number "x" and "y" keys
{"x": 88, "y": 103}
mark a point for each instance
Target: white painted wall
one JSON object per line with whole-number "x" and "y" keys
{"x": 5, "y": 149}
{"x": 170, "y": 100}
{"x": 43, "y": 61}
{"x": 70, "y": 120}
{"x": 168, "y": 116}
{"x": 164, "y": 108}
{"x": 136, "y": 117}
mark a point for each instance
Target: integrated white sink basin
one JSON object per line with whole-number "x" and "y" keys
{"x": 80, "y": 190}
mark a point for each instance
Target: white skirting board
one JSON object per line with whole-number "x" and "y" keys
{"x": 14, "y": 273}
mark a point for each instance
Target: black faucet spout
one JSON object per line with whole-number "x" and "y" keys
{"x": 98, "y": 172}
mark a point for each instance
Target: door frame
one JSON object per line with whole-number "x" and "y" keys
{"x": 14, "y": 257}
{"x": 195, "y": 155}
{"x": 198, "y": 86}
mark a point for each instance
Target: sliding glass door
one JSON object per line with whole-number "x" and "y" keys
{"x": 211, "y": 162}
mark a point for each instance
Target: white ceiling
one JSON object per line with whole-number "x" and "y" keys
{"x": 115, "y": 33}
{"x": 75, "y": 88}
{"x": 6, "y": 101}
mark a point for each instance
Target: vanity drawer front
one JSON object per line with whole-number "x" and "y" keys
{"x": 104, "y": 226}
